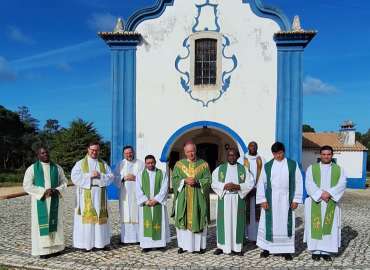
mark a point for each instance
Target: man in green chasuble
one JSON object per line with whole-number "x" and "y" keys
{"x": 191, "y": 180}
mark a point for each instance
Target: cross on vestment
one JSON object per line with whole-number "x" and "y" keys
{"x": 157, "y": 227}
{"x": 147, "y": 224}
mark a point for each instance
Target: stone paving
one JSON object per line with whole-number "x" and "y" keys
{"x": 15, "y": 244}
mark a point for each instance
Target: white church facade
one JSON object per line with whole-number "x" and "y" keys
{"x": 222, "y": 73}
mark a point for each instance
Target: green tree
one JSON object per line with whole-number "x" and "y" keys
{"x": 11, "y": 132}
{"x": 307, "y": 128}
{"x": 365, "y": 140}
{"x": 70, "y": 144}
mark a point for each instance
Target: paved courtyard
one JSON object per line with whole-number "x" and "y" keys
{"x": 15, "y": 244}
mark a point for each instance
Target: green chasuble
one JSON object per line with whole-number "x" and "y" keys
{"x": 317, "y": 228}
{"x": 292, "y": 165}
{"x": 89, "y": 214}
{"x": 48, "y": 223}
{"x": 152, "y": 221}
{"x": 191, "y": 202}
{"x": 240, "y": 225}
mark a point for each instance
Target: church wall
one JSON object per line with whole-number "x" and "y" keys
{"x": 248, "y": 106}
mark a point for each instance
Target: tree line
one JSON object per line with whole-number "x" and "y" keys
{"x": 21, "y": 135}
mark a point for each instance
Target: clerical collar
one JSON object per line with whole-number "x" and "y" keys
{"x": 325, "y": 164}
{"x": 252, "y": 157}
{"x": 90, "y": 158}
{"x": 46, "y": 163}
{"x": 149, "y": 171}
{"x": 280, "y": 160}
{"x": 233, "y": 165}
{"x": 195, "y": 160}
{"x": 132, "y": 161}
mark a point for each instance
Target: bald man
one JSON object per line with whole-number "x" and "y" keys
{"x": 191, "y": 180}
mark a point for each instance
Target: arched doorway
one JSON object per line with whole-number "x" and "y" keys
{"x": 211, "y": 146}
{"x": 212, "y": 140}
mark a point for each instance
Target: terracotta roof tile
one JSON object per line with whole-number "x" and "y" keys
{"x": 312, "y": 140}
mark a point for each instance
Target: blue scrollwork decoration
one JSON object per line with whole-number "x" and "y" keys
{"x": 226, "y": 74}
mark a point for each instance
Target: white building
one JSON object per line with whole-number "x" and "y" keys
{"x": 222, "y": 73}
{"x": 350, "y": 154}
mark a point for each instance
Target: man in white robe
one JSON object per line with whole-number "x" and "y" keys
{"x": 91, "y": 176}
{"x": 254, "y": 162}
{"x": 151, "y": 192}
{"x": 231, "y": 182}
{"x": 279, "y": 191}
{"x": 46, "y": 183}
{"x": 325, "y": 185}
{"x": 126, "y": 173}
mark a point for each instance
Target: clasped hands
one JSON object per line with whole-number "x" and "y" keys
{"x": 129, "y": 177}
{"x": 266, "y": 206}
{"x": 325, "y": 196}
{"x": 191, "y": 181}
{"x": 231, "y": 187}
{"x": 49, "y": 193}
{"x": 95, "y": 175}
{"x": 151, "y": 202}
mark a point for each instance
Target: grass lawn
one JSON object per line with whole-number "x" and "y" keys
{"x": 11, "y": 178}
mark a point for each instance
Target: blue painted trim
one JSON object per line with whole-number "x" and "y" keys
{"x": 200, "y": 124}
{"x": 356, "y": 183}
{"x": 123, "y": 67}
{"x": 270, "y": 12}
{"x": 147, "y": 14}
{"x": 257, "y": 7}
{"x": 199, "y": 10}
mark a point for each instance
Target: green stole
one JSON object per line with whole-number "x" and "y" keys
{"x": 152, "y": 223}
{"x": 192, "y": 197}
{"x": 89, "y": 215}
{"x": 47, "y": 224}
{"x": 240, "y": 224}
{"x": 317, "y": 228}
{"x": 292, "y": 165}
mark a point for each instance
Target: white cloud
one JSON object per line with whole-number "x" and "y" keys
{"x": 102, "y": 21}
{"x": 16, "y": 34}
{"x": 313, "y": 85}
{"x": 6, "y": 73}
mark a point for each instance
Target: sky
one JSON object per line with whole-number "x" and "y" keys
{"x": 52, "y": 61}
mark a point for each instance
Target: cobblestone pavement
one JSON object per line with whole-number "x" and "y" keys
{"x": 15, "y": 244}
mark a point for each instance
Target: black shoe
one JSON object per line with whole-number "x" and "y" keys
{"x": 241, "y": 253}
{"x": 218, "y": 251}
{"x": 145, "y": 250}
{"x": 264, "y": 254}
{"x": 180, "y": 251}
{"x": 327, "y": 258}
{"x": 316, "y": 257}
{"x": 44, "y": 257}
{"x": 288, "y": 257}
{"x": 202, "y": 251}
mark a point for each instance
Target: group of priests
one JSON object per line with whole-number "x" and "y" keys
{"x": 255, "y": 200}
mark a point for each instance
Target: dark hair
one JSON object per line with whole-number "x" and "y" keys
{"x": 94, "y": 143}
{"x": 232, "y": 149}
{"x": 127, "y": 147}
{"x": 254, "y": 143}
{"x": 278, "y": 146}
{"x": 149, "y": 157}
{"x": 326, "y": 147}
{"x": 39, "y": 147}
